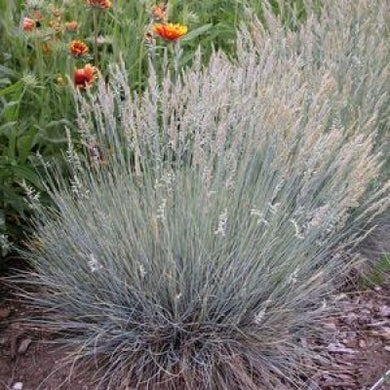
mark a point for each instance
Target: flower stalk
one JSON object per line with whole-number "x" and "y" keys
{"x": 95, "y": 34}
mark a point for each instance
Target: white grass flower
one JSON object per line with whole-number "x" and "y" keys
{"x": 260, "y": 216}
{"x": 33, "y": 196}
{"x": 294, "y": 276}
{"x": 259, "y": 317}
{"x": 222, "y": 222}
{"x": 142, "y": 271}
{"x": 160, "y": 215}
{"x": 5, "y": 244}
{"x": 93, "y": 264}
{"x": 298, "y": 230}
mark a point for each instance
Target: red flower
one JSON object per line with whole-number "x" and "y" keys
{"x": 28, "y": 24}
{"x": 85, "y": 76}
{"x": 103, "y": 4}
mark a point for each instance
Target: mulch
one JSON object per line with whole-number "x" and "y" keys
{"x": 360, "y": 342}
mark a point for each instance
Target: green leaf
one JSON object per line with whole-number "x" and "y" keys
{"x": 5, "y": 71}
{"x": 11, "y": 111}
{"x": 25, "y": 143}
{"x": 6, "y": 128}
{"x": 28, "y": 174}
{"x": 2, "y": 220}
{"x": 60, "y": 123}
{"x": 13, "y": 199}
{"x": 195, "y": 33}
{"x": 383, "y": 265}
{"x": 12, "y": 89}
{"x": 12, "y": 144}
{"x": 186, "y": 59}
{"x": 5, "y": 81}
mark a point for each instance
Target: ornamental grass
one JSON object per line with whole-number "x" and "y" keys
{"x": 211, "y": 216}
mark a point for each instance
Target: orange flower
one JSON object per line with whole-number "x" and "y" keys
{"x": 170, "y": 31}
{"x": 85, "y": 76}
{"x": 103, "y": 4}
{"x": 28, "y": 24}
{"x": 71, "y": 26}
{"x": 78, "y": 48}
{"x": 159, "y": 11}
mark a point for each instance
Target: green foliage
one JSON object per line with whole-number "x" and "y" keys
{"x": 379, "y": 272}
{"x": 29, "y": 103}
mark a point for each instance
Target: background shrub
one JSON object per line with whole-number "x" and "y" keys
{"x": 199, "y": 237}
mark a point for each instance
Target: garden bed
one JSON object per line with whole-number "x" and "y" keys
{"x": 196, "y": 218}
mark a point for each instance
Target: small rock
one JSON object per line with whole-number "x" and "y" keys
{"x": 340, "y": 297}
{"x": 339, "y": 348}
{"x": 312, "y": 385}
{"x": 384, "y": 311}
{"x": 4, "y": 313}
{"x": 350, "y": 335}
{"x": 17, "y": 386}
{"x": 350, "y": 318}
{"x": 24, "y": 346}
{"x": 330, "y": 326}
{"x": 362, "y": 344}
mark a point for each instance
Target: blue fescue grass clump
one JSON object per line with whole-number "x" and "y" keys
{"x": 213, "y": 214}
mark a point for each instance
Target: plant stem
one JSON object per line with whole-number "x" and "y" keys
{"x": 95, "y": 36}
{"x": 235, "y": 14}
{"x": 177, "y": 52}
{"x": 39, "y": 57}
{"x": 140, "y": 65}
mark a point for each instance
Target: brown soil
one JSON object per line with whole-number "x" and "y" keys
{"x": 360, "y": 348}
